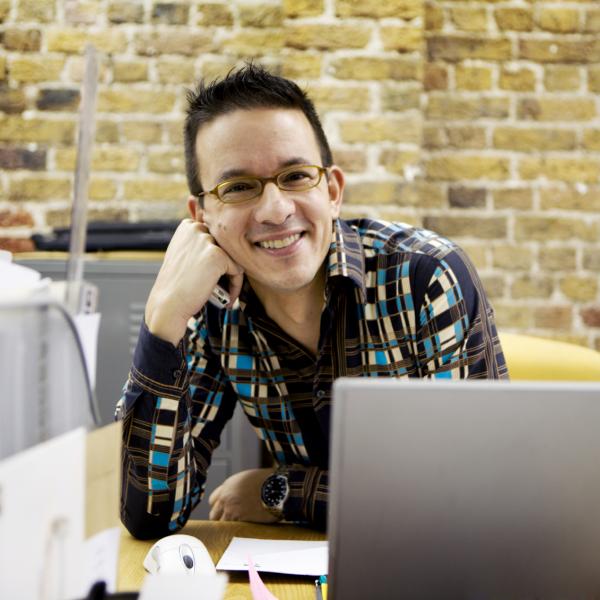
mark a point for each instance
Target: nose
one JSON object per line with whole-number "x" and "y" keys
{"x": 274, "y": 205}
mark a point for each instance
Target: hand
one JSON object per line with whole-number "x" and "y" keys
{"x": 191, "y": 268}
{"x": 238, "y": 498}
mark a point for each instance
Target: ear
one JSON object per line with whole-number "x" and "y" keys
{"x": 335, "y": 183}
{"x": 196, "y": 212}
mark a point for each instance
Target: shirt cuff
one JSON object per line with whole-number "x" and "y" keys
{"x": 158, "y": 366}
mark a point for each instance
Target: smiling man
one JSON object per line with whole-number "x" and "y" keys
{"x": 312, "y": 298}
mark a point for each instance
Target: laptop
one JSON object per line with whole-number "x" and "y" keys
{"x": 464, "y": 489}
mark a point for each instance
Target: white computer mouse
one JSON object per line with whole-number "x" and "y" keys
{"x": 177, "y": 554}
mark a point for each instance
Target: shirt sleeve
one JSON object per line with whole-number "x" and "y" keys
{"x": 175, "y": 404}
{"x": 308, "y": 496}
{"x": 456, "y": 330}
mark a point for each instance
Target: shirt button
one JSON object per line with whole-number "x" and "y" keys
{"x": 320, "y": 394}
{"x": 177, "y": 373}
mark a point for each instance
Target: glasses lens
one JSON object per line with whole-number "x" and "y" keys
{"x": 239, "y": 190}
{"x": 299, "y": 178}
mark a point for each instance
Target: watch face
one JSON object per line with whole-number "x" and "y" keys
{"x": 274, "y": 490}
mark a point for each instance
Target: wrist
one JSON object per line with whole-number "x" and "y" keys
{"x": 165, "y": 324}
{"x": 275, "y": 491}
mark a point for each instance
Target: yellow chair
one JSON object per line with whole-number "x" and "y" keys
{"x": 532, "y": 358}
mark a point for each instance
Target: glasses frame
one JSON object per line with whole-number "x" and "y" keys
{"x": 263, "y": 181}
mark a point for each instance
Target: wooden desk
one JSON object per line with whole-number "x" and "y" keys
{"x": 216, "y": 536}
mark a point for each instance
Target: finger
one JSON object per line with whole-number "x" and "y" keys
{"x": 235, "y": 287}
{"x": 214, "y": 497}
{"x": 216, "y": 512}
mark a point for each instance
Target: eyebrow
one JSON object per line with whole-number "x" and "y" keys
{"x": 233, "y": 173}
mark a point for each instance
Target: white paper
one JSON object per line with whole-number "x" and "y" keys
{"x": 87, "y": 328}
{"x": 184, "y": 587}
{"x": 292, "y": 557}
{"x": 102, "y": 558}
{"x": 41, "y": 520}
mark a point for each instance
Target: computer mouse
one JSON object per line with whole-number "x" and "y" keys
{"x": 177, "y": 554}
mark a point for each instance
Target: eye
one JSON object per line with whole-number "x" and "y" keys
{"x": 236, "y": 187}
{"x": 297, "y": 175}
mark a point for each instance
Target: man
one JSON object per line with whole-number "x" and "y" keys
{"x": 312, "y": 298}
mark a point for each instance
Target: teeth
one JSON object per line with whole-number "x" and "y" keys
{"x": 273, "y": 244}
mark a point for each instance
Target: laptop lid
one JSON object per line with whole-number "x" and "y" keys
{"x": 464, "y": 489}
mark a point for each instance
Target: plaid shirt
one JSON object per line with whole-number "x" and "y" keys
{"x": 400, "y": 302}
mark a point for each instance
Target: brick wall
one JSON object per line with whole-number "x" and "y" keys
{"x": 479, "y": 119}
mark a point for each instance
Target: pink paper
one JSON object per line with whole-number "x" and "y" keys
{"x": 257, "y": 587}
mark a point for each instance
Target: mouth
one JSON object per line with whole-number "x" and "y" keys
{"x": 280, "y": 243}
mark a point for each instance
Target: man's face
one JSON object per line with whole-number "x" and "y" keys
{"x": 281, "y": 238}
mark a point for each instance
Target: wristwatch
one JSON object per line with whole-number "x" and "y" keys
{"x": 274, "y": 492}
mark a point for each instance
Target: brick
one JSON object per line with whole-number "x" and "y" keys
{"x": 375, "y": 192}
{"x": 334, "y": 97}
{"x": 591, "y": 259}
{"x": 170, "y": 13}
{"x": 17, "y": 129}
{"x": 104, "y": 158}
{"x": 131, "y": 100}
{"x": 379, "y": 129}
{"x": 579, "y": 289}
{"x": 366, "y": 68}
{"x": 512, "y": 257}
{"x": 518, "y": 80}
{"x": 493, "y": 285}
{"x": 465, "y": 197}
{"x": 125, "y": 12}
{"x": 107, "y": 132}
{"x": 36, "y": 10}
{"x": 82, "y": 13}
{"x": 102, "y": 189}
{"x": 541, "y": 228}
{"x": 166, "y": 161}
{"x": 37, "y": 188}
{"x": 4, "y": 10}
{"x": 531, "y": 287}
{"x": 592, "y": 21}
{"x": 261, "y": 15}
{"x": 401, "y": 39}
{"x": 533, "y": 140}
{"x": 217, "y": 68}
{"x": 22, "y": 40}
{"x": 17, "y": 244}
{"x": 18, "y": 218}
{"x": 141, "y": 131}
{"x": 553, "y": 317}
{"x": 38, "y": 68}
{"x": 473, "y": 78}
{"x": 176, "y": 70}
{"x": 434, "y": 137}
{"x": 391, "y": 213}
{"x": 58, "y": 99}
{"x": 570, "y": 198}
{"x": 351, "y": 161}
{"x": 22, "y": 158}
{"x": 130, "y": 70}
{"x": 556, "y": 259}
{"x": 591, "y": 139}
{"x": 560, "y": 50}
{"x": 560, "y": 78}
{"x": 468, "y": 18}
{"x": 173, "y": 131}
{"x": 12, "y": 101}
{"x": 255, "y": 42}
{"x": 375, "y": 9}
{"x": 513, "y": 198}
{"x": 400, "y": 97}
{"x": 556, "y": 109}
{"x": 2, "y": 68}
{"x": 558, "y": 20}
{"x": 73, "y": 41}
{"x": 514, "y": 19}
{"x": 514, "y": 315}
{"x": 455, "y": 49}
{"x": 156, "y": 189}
{"x": 396, "y": 161}
{"x": 301, "y": 65}
{"x": 435, "y": 77}
{"x": 594, "y": 79}
{"x": 186, "y": 42}
{"x": 214, "y": 15}
{"x": 591, "y": 318}
{"x": 327, "y": 37}
{"x": 465, "y": 226}
{"x": 575, "y": 170}
{"x": 466, "y": 137}
{"x": 477, "y": 253}
{"x": 434, "y": 16}
{"x": 454, "y": 107}
{"x": 458, "y": 167}
{"x": 422, "y": 194}
{"x": 62, "y": 218}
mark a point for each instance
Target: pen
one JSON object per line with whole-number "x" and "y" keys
{"x": 323, "y": 583}
{"x": 318, "y": 592}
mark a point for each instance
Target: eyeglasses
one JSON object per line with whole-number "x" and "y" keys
{"x": 298, "y": 178}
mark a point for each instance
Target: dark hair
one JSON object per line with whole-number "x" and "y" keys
{"x": 251, "y": 86}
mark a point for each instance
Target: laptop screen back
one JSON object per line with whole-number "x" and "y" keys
{"x": 464, "y": 489}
